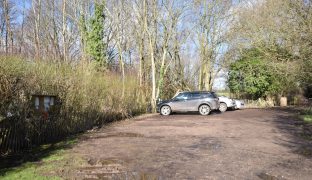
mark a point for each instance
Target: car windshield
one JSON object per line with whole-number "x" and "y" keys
{"x": 175, "y": 95}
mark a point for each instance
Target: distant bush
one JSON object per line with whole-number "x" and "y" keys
{"x": 306, "y": 115}
{"x": 87, "y": 98}
{"x": 259, "y": 103}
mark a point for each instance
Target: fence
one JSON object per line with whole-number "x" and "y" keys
{"x": 18, "y": 134}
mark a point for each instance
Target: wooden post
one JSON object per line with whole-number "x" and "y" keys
{"x": 283, "y": 101}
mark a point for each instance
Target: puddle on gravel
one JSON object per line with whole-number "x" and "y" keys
{"x": 267, "y": 176}
{"x": 307, "y": 152}
{"x": 120, "y": 134}
{"x": 111, "y": 169}
{"x": 130, "y": 175}
{"x": 101, "y": 162}
{"x": 207, "y": 144}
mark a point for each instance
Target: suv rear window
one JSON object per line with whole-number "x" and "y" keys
{"x": 197, "y": 95}
{"x": 209, "y": 95}
{"x": 214, "y": 95}
{"x": 183, "y": 96}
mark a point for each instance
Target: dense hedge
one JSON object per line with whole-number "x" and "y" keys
{"x": 86, "y": 98}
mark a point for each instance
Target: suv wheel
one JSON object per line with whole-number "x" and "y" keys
{"x": 204, "y": 110}
{"x": 165, "y": 110}
{"x": 223, "y": 107}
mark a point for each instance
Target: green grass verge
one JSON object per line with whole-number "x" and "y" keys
{"x": 306, "y": 115}
{"x": 307, "y": 118}
{"x": 35, "y": 170}
{"x": 28, "y": 171}
{"x": 52, "y": 159}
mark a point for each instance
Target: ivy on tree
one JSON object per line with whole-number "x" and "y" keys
{"x": 95, "y": 43}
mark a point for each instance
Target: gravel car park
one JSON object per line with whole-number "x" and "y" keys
{"x": 249, "y": 144}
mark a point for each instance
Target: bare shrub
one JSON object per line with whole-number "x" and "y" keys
{"x": 86, "y": 98}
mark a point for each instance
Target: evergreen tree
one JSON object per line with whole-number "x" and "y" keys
{"x": 252, "y": 76}
{"x": 95, "y": 43}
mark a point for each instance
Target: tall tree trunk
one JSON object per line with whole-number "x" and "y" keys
{"x": 151, "y": 41}
{"x": 122, "y": 66}
{"x": 161, "y": 73}
{"x": 8, "y": 32}
{"x": 153, "y": 98}
{"x": 37, "y": 13}
{"x": 141, "y": 57}
{"x": 207, "y": 75}
{"x": 64, "y": 31}
{"x": 23, "y": 24}
{"x": 55, "y": 39}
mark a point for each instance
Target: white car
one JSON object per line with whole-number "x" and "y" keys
{"x": 239, "y": 104}
{"x": 226, "y": 103}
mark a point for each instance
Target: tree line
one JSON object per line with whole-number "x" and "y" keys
{"x": 169, "y": 45}
{"x": 274, "y": 38}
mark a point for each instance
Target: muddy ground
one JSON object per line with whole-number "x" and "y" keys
{"x": 244, "y": 144}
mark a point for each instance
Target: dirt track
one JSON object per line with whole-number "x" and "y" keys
{"x": 246, "y": 144}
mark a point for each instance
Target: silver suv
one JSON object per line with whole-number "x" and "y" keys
{"x": 200, "y": 101}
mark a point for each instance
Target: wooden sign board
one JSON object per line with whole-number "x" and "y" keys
{"x": 42, "y": 103}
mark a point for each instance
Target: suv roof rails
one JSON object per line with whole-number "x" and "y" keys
{"x": 197, "y": 92}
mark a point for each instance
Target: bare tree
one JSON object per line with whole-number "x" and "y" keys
{"x": 64, "y": 30}
{"x": 7, "y": 13}
{"x": 150, "y": 19}
{"x": 36, "y": 6}
{"x": 120, "y": 21}
{"x": 213, "y": 22}
{"x": 171, "y": 14}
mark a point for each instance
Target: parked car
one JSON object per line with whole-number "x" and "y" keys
{"x": 226, "y": 103}
{"x": 239, "y": 104}
{"x": 199, "y": 101}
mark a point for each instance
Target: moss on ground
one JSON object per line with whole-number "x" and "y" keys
{"x": 27, "y": 171}
{"x": 307, "y": 118}
{"x": 52, "y": 158}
